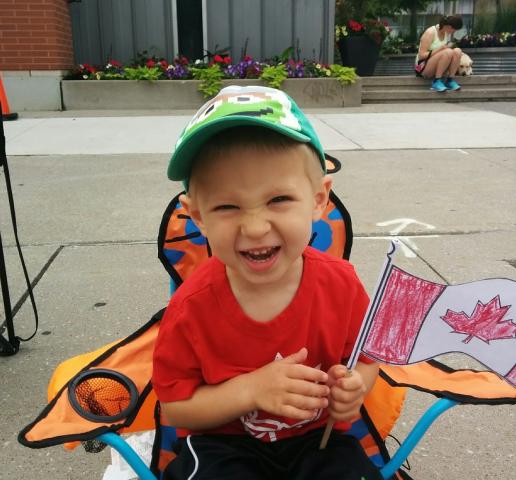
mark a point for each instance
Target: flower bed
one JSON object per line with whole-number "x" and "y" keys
{"x": 504, "y": 39}
{"x": 398, "y": 45}
{"x": 211, "y": 74}
{"x": 115, "y": 86}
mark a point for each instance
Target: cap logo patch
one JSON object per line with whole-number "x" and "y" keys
{"x": 260, "y": 102}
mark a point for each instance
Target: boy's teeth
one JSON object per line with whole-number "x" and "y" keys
{"x": 260, "y": 254}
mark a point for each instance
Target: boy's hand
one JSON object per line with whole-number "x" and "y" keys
{"x": 347, "y": 393}
{"x": 288, "y": 388}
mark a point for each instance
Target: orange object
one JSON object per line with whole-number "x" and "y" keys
{"x": 6, "y": 113}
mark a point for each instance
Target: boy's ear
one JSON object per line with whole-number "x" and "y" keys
{"x": 321, "y": 197}
{"x": 192, "y": 211}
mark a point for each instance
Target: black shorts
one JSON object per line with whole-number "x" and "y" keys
{"x": 240, "y": 457}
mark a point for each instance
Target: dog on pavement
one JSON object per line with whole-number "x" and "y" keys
{"x": 466, "y": 65}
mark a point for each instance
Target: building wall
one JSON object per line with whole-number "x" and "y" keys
{"x": 35, "y": 35}
{"x": 266, "y": 28}
{"x": 35, "y": 51}
{"x": 120, "y": 29}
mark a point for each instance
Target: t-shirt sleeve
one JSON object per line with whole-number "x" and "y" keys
{"x": 358, "y": 311}
{"x": 176, "y": 368}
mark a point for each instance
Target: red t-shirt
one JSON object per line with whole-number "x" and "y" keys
{"x": 206, "y": 338}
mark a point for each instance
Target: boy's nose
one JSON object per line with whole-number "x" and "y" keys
{"x": 255, "y": 225}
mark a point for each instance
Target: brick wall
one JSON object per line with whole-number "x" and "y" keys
{"x": 35, "y": 35}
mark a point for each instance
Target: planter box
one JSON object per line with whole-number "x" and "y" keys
{"x": 184, "y": 94}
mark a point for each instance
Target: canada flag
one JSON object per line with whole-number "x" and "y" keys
{"x": 411, "y": 320}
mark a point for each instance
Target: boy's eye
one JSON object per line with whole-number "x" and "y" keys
{"x": 224, "y": 207}
{"x": 280, "y": 198}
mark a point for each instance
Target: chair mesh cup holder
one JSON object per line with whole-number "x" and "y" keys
{"x": 102, "y": 395}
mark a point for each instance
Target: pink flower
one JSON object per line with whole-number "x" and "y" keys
{"x": 355, "y": 26}
{"x": 88, "y": 68}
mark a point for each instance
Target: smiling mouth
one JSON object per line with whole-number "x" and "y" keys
{"x": 261, "y": 254}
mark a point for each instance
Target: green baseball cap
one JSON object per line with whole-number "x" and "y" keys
{"x": 236, "y": 106}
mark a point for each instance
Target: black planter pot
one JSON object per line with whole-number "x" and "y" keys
{"x": 360, "y": 52}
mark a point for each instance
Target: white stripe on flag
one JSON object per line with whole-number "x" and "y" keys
{"x": 436, "y": 336}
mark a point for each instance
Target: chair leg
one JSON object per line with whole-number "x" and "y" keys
{"x": 128, "y": 454}
{"x": 415, "y": 435}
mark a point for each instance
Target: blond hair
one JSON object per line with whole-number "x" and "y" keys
{"x": 260, "y": 139}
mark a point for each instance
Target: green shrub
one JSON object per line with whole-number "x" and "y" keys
{"x": 142, "y": 73}
{"x": 274, "y": 75}
{"x": 344, "y": 75}
{"x": 210, "y": 77}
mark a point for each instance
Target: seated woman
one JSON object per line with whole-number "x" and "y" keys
{"x": 436, "y": 58}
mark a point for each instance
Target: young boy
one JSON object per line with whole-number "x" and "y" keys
{"x": 248, "y": 358}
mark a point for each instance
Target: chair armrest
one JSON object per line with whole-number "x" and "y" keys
{"x": 415, "y": 435}
{"x": 128, "y": 454}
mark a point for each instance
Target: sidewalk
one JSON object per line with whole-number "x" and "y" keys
{"x": 90, "y": 189}
{"x": 338, "y": 130}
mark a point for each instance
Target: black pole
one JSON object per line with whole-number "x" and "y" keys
{"x": 12, "y": 344}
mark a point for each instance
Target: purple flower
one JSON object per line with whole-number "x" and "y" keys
{"x": 177, "y": 71}
{"x": 246, "y": 68}
{"x": 295, "y": 69}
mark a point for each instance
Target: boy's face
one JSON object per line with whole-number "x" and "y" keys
{"x": 256, "y": 208}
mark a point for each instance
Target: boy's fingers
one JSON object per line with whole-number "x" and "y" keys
{"x": 290, "y": 411}
{"x": 310, "y": 389}
{"x": 338, "y": 371}
{"x": 346, "y": 414}
{"x": 345, "y": 396}
{"x": 306, "y": 402}
{"x": 302, "y": 372}
{"x": 298, "y": 357}
{"x": 350, "y": 382}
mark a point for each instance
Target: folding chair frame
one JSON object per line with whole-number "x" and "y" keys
{"x": 418, "y": 431}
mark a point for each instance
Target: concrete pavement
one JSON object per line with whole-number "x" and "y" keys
{"x": 338, "y": 130}
{"x": 90, "y": 189}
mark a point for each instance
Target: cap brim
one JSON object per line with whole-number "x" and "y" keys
{"x": 181, "y": 160}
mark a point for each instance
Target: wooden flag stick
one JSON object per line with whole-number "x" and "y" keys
{"x": 326, "y": 434}
{"x": 365, "y": 327}
{"x": 329, "y": 424}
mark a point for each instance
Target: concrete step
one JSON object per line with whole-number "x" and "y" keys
{"x": 425, "y": 85}
{"x": 424, "y": 94}
{"x": 482, "y": 70}
{"x": 412, "y": 80}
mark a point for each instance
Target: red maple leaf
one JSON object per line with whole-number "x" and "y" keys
{"x": 485, "y": 322}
